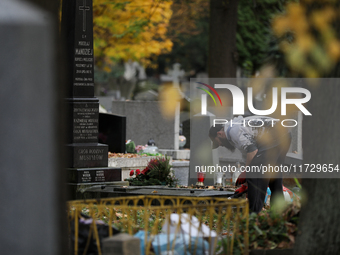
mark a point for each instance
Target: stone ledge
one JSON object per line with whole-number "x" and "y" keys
{"x": 176, "y": 154}
{"x": 179, "y": 163}
{"x": 129, "y": 162}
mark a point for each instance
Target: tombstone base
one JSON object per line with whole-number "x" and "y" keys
{"x": 88, "y": 155}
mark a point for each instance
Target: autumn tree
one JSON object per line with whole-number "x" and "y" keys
{"x": 188, "y": 30}
{"x": 125, "y": 30}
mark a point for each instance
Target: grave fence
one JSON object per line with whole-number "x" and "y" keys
{"x": 194, "y": 225}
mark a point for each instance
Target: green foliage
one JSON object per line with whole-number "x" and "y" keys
{"x": 159, "y": 168}
{"x": 190, "y": 50}
{"x": 267, "y": 230}
{"x": 253, "y": 31}
{"x": 116, "y": 71}
{"x": 148, "y": 154}
{"x": 130, "y": 147}
{"x": 252, "y": 38}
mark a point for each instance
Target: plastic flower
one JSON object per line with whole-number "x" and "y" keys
{"x": 137, "y": 172}
{"x": 145, "y": 170}
{"x": 131, "y": 173}
{"x": 139, "y": 148}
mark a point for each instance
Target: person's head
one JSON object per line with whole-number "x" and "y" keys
{"x": 218, "y": 137}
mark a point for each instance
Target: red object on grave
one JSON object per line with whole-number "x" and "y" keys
{"x": 200, "y": 177}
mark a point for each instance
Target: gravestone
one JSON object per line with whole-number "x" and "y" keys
{"x": 144, "y": 120}
{"x": 121, "y": 244}
{"x": 201, "y": 154}
{"x": 32, "y": 205}
{"x": 88, "y": 158}
{"x": 112, "y": 131}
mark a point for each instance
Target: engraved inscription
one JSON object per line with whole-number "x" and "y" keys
{"x": 99, "y": 176}
{"x": 83, "y": 48}
{"x": 86, "y": 177}
{"x": 91, "y": 154}
{"x": 85, "y": 122}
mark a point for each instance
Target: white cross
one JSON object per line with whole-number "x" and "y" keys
{"x": 176, "y": 73}
{"x": 84, "y": 8}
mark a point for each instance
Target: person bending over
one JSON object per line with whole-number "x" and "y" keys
{"x": 262, "y": 142}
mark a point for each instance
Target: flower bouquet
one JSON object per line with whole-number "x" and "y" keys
{"x": 157, "y": 172}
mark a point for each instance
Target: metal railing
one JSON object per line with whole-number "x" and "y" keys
{"x": 203, "y": 225}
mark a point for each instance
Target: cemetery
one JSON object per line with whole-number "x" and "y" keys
{"x": 108, "y": 144}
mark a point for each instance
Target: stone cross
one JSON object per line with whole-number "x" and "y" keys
{"x": 176, "y": 73}
{"x": 84, "y": 8}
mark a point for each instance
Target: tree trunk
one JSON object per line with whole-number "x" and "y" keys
{"x": 320, "y": 215}
{"x": 222, "y": 60}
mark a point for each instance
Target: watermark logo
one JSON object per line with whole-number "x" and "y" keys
{"x": 238, "y": 99}
{"x": 204, "y": 97}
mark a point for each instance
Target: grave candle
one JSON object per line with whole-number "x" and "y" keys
{"x": 200, "y": 179}
{"x": 218, "y": 179}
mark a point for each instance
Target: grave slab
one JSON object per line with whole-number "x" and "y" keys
{"x": 112, "y": 191}
{"x": 92, "y": 189}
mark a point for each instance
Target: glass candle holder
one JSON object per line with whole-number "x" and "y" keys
{"x": 200, "y": 179}
{"x": 218, "y": 178}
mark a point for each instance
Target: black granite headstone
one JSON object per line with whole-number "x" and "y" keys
{"x": 112, "y": 131}
{"x": 77, "y": 25}
{"x": 88, "y": 158}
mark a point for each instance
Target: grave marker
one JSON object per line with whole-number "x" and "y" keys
{"x": 89, "y": 159}
{"x": 32, "y": 205}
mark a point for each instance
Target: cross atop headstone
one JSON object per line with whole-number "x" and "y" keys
{"x": 84, "y": 8}
{"x": 176, "y": 73}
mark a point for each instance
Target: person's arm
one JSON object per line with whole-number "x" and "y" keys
{"x": 242, "y": 177}
{"x": 250, "y": 156}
